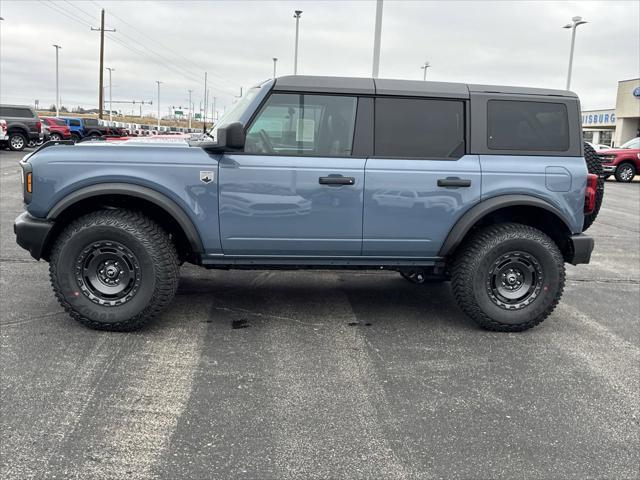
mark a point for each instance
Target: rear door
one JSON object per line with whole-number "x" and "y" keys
{"x": 297, "y": 188}
{"x": 420, "y": 180}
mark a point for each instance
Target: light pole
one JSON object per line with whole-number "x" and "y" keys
{"x": 190, "y": 109}
{"x": 376, "y": 40}
{"x": 296, "y": 15}
{"x": 110, "y": 96}
{"x": 158, "y": 82}
{"x": 424, "y": 67}
{"x": 57, "y": 47}
{"x": 575, "y": 21}
{"x": 275, "y": 60}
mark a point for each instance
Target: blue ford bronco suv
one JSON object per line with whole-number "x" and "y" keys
{"x": 488, "y": 187}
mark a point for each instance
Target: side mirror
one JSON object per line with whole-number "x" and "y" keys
{"x": 231, "y": 136}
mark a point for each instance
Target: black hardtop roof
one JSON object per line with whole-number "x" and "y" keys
{"x": 384, "y": 86}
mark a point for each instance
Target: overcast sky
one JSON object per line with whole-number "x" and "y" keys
{"x": 506, "y": 43}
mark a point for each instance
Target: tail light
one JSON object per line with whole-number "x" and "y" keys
{"x": 590, "y": 193}
{"x": 39, "y": 126}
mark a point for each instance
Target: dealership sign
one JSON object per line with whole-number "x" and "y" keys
{"x": 599, "y": 118}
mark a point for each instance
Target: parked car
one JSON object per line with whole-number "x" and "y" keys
{"x": 85, "y": 127}
{"x": 281, "y": 184}
{"x": 624, "y": 162}
{"x": 58, "y": 128}
{"x": 3, "y": 131}
{"x": 23, "y": 125}
{"x": 600, "y": 146}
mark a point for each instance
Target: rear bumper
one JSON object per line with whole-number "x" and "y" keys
{"x": 581, "y": 248}
{"x": 32, "y": 233}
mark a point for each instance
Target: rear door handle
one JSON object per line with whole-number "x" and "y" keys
{"x": 454, "y": 182}
{"x": 337, "y": 180}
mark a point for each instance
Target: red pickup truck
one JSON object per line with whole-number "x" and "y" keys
{"x": 623, "y": 162}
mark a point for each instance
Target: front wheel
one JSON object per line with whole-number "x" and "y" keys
{"x": 55, "y": 137}
{"x": 508, "y": 277}
{"x": 625, "y": 172}
{"x": 114, "y": 269}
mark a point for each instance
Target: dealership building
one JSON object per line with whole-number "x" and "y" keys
{"x": 617, "y": 125}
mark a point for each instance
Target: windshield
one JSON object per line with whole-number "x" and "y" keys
{"x": 633, "y": 143}
{"x": 235, "y": 112}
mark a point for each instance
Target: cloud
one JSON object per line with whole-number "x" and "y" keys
{"x": 512, "y": 43}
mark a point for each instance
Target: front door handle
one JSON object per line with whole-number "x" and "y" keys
{"x": 337, "y": 180}
{"x": 454, "y": 182}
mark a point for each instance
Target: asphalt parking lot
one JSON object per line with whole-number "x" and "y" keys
{"x": 264, "y": 375}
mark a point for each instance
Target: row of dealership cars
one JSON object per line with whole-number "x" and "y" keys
{"x": 21, "y": 126}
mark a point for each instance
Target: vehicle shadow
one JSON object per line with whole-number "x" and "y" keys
{"x": 383, "y": 300}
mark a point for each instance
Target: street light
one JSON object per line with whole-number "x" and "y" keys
{"x": 110, "y": 97}
{"x": 57, "y": 47}
{"x": 158, "y": 82}
{"x": 275, "y": 60}
{"x": 424, "y": 67}
{"x": 296, "y": 15}
{"x": 575, "y": 22}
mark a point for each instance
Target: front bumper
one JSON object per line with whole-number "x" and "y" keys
{"x": 32, "y": 233}
{"x": 581, "y": 246}
{"x": 608, "y": 168}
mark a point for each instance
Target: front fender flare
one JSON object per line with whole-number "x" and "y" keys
{"x": 477, "y": 212}
{"x": 145, "y": 193}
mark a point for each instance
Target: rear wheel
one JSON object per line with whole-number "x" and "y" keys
{"x": 75, "y": 137}
{"x": 17, "y": 141}
{"x": 508, "y": 277}
{"x": 625, "y": 172}
{"x": 114, "y": 270}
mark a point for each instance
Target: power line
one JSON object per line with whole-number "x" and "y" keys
{"x": 179, "y": 55}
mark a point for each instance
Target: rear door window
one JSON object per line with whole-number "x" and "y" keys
{"x": 419, "y": 128}
{"x": 527, "y": 126}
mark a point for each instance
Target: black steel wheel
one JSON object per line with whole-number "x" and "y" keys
{"x": 108, "y": 273}
{"x": 514, "y": 280}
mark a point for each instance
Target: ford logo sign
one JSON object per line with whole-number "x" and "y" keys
{"x": 636, "y": 92}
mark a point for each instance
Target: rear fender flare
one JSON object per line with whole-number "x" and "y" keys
{"x": 484, "y": 208}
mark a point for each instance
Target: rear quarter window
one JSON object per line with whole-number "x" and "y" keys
{"x": 16, "y": 112}
{"x": 527, "y": 126}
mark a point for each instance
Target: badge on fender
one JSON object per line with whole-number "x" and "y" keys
{"x": 206, "y": 176}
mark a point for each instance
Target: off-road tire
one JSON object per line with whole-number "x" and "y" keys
{"x": 75, "y": 137}
{"x": 153, "y": 251}
{"x": 619, "y": 172}
{"x": 594, "y": 165}
{"x": 14, "y": 141}
{"x": 473, "y": 263}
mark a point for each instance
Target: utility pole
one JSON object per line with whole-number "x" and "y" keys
{"x": 575, "y": 22}
{"x": 204, "y": 119}
{"x": 275, "y": 61}
{"x": 110, "y": 96}
{"x": 376, "y": 40}
{"x": 190, "y": 108}
{"x": 424, "y": 67}
{"x": 296, "y": 15}
{"x": 158, "y": 82}
{"x": 101, "y": 30}
{"x": 213, "y": 111}
{"x": 57, "y": 47}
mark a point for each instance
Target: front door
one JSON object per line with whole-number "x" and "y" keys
{"x": 296, "y": 189}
